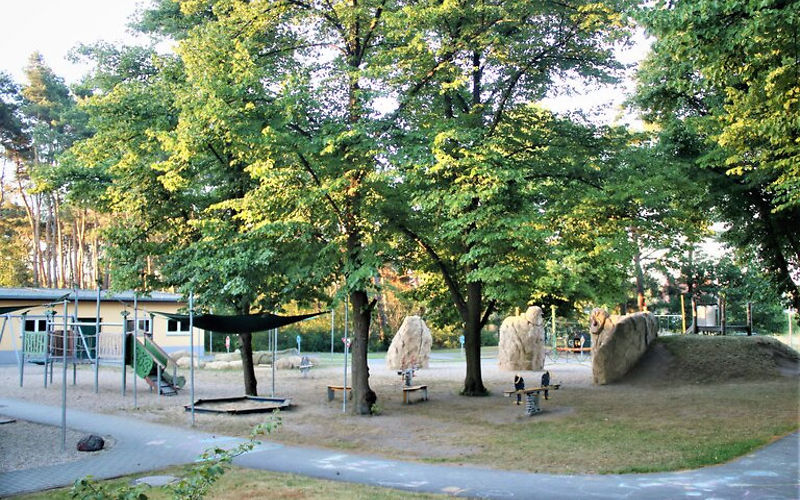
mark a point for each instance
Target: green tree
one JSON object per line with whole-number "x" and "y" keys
{"x": 477, "y": 66}
{"x": 722, "y": 83}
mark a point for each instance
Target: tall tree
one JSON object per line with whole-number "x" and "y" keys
{"x": 471, "y": 68}
{"x": 177, "y": 177}
{"x": 722, "y": 82}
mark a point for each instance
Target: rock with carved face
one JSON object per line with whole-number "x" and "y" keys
{"x": 522, "y": 341}
{"x": 619, "y": 342}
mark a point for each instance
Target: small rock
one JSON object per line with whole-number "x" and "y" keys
{"x": 91, "y": 443}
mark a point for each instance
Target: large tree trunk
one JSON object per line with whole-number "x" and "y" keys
{"x": 246, "y": 352}
{"x": 363, "y": 396}
{"x": 473, "y": 382}
{"x": 248, "y": 370}
{"x": 61, "y": 257}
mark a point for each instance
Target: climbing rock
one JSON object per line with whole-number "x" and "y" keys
{"x": 219, "y": 365}
{"x": 185, "y": 362}
{"x": 619, "y": 342}
{"x": 91, "y": 443}
{"x": 521, "y": 344}
{"x": 411, "y": 345}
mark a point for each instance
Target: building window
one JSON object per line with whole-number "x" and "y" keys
{"x": 35, "y": 325}
{"x": 176, "y": 327}
{"x": 144, "y": 327}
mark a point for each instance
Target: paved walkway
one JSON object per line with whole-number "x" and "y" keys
{"x": 771, "y": 472}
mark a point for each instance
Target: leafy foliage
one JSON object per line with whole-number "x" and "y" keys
{"x": 722, "y": 82}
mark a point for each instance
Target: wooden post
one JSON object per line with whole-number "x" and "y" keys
{"x": 695, "y": 329}
{"x": 749, "y": 319}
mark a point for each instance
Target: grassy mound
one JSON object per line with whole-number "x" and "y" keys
{"x": 714, "y": 359}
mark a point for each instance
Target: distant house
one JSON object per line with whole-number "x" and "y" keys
{"x": 45, "y": 309}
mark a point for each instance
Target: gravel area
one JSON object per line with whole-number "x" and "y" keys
{"x": 24, "y": 445}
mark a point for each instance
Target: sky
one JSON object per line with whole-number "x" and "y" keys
{"x": 54, "y": 27}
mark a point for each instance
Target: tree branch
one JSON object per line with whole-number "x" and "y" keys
{"x": 455, "y": 291}
{"x": 313, "y": 174}
{"x": 487, "y": 313}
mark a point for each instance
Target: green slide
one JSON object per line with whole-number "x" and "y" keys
{"x": 149, "y": 357}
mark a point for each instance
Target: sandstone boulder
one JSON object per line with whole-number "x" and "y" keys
{"x": 227, "y": 356}
{"x": 291, "y": 362}
{"x": 221, "y": 365}
{"x": 411, "y": 345}
{"x": 185, "y": 361}
{"x": 521, "y": 344}
{"x": 618, "y": 343}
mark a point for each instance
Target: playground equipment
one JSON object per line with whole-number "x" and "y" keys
{"x": 48, "y": 338}
{"x": 243, "y": 405}
{"x": 152, "y": 364}
{"x": 712, "y": 319}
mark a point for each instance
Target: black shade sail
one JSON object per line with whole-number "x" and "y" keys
{"x": 247, "y": 323}
{"x": 10, "y": 309}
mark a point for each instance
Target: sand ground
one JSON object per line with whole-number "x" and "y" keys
{"x": 402, "y": 430}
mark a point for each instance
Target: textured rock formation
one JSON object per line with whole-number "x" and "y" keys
{"x": 92, "y": 442}
{"x": 618, "y": 343}
{"x": 411, "y": 345}
{"x": 522, "y": 341}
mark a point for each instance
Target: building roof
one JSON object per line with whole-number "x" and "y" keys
{"x": 57, "y": 294}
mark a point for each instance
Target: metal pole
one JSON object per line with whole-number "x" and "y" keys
{"x": 97, "y": 342}
{"x": 22, "y": 358}
{"x": 333, "y": 316}
{"x": 124, "y": 350}
{"x": 683, "y": 315}
{"x": 274, "y": 336}
{"x": 791, "y": 312}
{"x": 344, "y": 391}
{"x": 346, "y": 349}
{"x": 135, "y": 347}
{"x": 64, "y": 383}
{"x": 553, "y": 322}
{"x": 49, "y": 331}
{"x": 191, "y": 352}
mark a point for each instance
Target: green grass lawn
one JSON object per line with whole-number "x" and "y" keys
{"x": 238, "y": 483}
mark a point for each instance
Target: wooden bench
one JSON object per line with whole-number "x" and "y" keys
{"x": 580, "y": 352}
{"x": 333, "y": 388}
{"x": 532, "y": 397}
{"x": 412, "y": 388}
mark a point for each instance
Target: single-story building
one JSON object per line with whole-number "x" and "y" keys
{"x": 43, "y": 305}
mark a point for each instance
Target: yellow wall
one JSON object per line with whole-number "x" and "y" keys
{"x": 111, "y": 322}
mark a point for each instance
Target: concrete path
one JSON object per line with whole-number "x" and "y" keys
{"x": 771, "y": 472}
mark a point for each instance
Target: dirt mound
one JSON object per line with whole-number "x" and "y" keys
{"x": 702, "y": 359}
